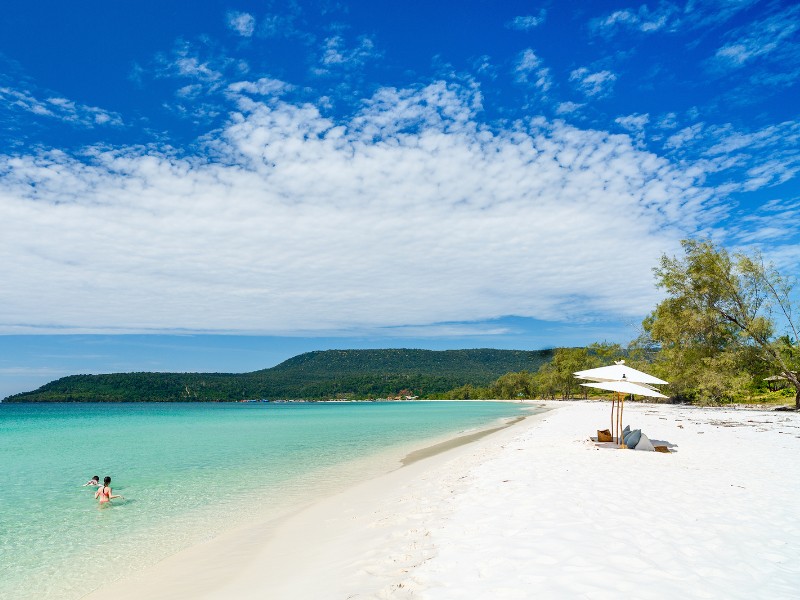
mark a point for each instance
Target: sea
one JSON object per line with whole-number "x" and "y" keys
{"x": 188, "y": 472}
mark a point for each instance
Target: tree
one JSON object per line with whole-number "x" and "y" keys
{"x": 547, "y": 381}
{"x": 514, "y": 385}
{"x": 604, "y": 353}
{"x": 720, "y": 309}
{"x": 466, "y": 392}
{"x": 557, "y": 375}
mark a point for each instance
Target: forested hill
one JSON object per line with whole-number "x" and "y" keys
{"x": 318, "y": 375}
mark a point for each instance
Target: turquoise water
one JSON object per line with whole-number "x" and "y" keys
{"x": 187, "y": 471}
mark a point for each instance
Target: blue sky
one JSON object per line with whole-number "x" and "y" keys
{"x": 217, "y": 186}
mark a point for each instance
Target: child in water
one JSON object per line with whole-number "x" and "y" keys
{"x": 104, "y": 493}
{"x": 95, "y": 480}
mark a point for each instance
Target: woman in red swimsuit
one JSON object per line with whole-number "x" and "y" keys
{"x": 104, "y": 493}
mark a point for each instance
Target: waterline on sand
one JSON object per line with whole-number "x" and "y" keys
{"x": 455, "y": 442}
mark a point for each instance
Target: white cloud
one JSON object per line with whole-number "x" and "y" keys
{"x": 565, "y": 108}
{"x": 527, "y": 22}
{"x": 766, "y": 227}
{"x": 635, "y": 124}
{"x": 770, "y": 172}
{"x": 758, "y": 39}
{"x": 29, "y": 371}
{"x": 670, "y": 16}
{"x": 483, "y": 66}
{"x": 667, "y": 121}
{"x": 738, "y": 54}
{"x": 203, "y": 73}
{"x": 439, "y": 330}
{"x": 597, "y": 84}
{"x": 242, "y": 23}
{"x": 336, "y": 54}
{"x": 784, "y": 135}
{"x": 189, "y": 91}
{"x": 684, "y": 135}
{"x": 625, "y": 16}
{"x": 264, "y": 87}
{"x": 61, "y": 109}
{"x": 200, "y": 62}
{"x": 665, "y": 16}
{"x": 411, "y": 213}
{"x": 284, "y": 25}
{"x": 752, "y": 159}
{"x": 529, "y": 70}
{"x": 714, "y": 12}
{"x": 190, "y": 66}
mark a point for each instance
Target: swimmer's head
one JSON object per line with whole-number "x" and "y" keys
{"x": 106, "y": 480}
{"x": 95, "y": 477}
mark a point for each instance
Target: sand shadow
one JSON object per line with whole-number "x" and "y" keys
{"x": 670, "y": 447}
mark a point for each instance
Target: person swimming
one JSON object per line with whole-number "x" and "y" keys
{"x": 104, "y": 493}
{"x": 95, "y": 480}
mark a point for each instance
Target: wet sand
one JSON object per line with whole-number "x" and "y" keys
{"x": 435, "y": 449}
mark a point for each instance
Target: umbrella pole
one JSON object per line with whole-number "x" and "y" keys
{"x": 613, "y": 421}
{"x": 619, "y": 417}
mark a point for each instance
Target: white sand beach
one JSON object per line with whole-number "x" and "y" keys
{"x": 535, "y": 511}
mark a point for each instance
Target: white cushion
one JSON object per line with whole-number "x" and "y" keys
{"x": 645, "y": 444}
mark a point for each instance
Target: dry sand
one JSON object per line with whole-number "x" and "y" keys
{"x": 535, "y": 511}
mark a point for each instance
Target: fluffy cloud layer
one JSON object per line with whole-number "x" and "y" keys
{"x": 411, "y": 212}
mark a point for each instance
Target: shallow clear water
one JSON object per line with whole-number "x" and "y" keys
{"x": 187, "y": 471}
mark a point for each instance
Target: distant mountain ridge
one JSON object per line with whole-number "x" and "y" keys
{"x": 317, "y": 375}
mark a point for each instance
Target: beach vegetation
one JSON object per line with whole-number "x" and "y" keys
{"x": 727, "y": 331}
{"x": 728, "y": 322}
{"x": 465, "y": 392}
{"x": 555, "y": 379}
{"x": 511, "y": 386}
{"x": 322, "y": 375}
{"x": 514, "y": 385}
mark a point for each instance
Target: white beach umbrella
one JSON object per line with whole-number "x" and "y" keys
{"x": 619, "y": 372}
{"x": 621, "y": 379}
{"x": 626, "y": 387}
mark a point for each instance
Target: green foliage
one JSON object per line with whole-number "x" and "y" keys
{"x": 722, "y": 379}
{"x": 557, "y": 379}
{"x": 553, "y": 379}
{"x": 355, "y": 374}
{"x": 466, "y": 392}
{"x": 716, "y": 329}
{"x": 514, "y": 385}
{"x": 714, "y": 337}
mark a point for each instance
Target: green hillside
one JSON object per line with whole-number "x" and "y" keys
{"x": 314, "y": 376}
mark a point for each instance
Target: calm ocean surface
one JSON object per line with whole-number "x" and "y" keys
{"x": 187, "y": 471}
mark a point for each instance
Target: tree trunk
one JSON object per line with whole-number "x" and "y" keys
{"x": 795, "y": 381}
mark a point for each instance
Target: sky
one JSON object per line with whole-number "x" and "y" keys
{"x": 218, "y": 186}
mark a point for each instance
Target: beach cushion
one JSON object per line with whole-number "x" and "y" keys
{"x": 633, "y": 438}
{"x": 645, "y": 444}
{"x": 626, "y": 431}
